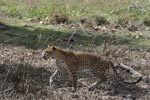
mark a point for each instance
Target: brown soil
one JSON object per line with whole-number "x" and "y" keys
{"x": 25, "y": 75}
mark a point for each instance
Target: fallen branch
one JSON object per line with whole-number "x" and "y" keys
{"x": 131, "y": 70}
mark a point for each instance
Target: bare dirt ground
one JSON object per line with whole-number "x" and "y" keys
{"x": 24, "y": 75}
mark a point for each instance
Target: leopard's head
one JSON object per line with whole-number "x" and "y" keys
{"x": 50, "y": 52}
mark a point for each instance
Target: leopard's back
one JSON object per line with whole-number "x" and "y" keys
{"x": 90, "y": 61}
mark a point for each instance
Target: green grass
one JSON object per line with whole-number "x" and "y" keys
{"x": 20, "y": 32}
{"x": 76, "y": 8}
{"x": 33, "y": 35}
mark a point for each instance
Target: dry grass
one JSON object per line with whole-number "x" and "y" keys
{"x": 24, "y": 75}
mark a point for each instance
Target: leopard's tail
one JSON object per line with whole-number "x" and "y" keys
{"x": 129, "y": 69}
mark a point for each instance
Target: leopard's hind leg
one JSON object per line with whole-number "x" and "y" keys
{"x": 74, "y": 73}
{"x": 100, "y": 75}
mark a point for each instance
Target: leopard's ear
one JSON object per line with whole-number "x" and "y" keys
{"x": 48, "y": 45}
{"x": 54, "y": 48}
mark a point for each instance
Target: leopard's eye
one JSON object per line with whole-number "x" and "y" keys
{"x": 46, "y": 53}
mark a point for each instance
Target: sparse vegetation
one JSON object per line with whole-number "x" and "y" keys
{"x": 25, "y": 75}
{"x": 118, "y": 28}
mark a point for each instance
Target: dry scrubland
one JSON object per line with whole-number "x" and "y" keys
{"x": 25, "y": 75}
{"x": 26, "y": 26}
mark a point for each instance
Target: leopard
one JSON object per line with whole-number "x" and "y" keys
{"x": 78, "y": 60}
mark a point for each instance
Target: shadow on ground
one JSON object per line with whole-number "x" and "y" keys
{"x": 24, "y": 80}
{"x": 19, "y": 80}
{"x": 36, "y": 37}
{"x": 128, "y": 91}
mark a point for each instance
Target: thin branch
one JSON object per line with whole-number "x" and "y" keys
{"x": 73, "y": 33}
